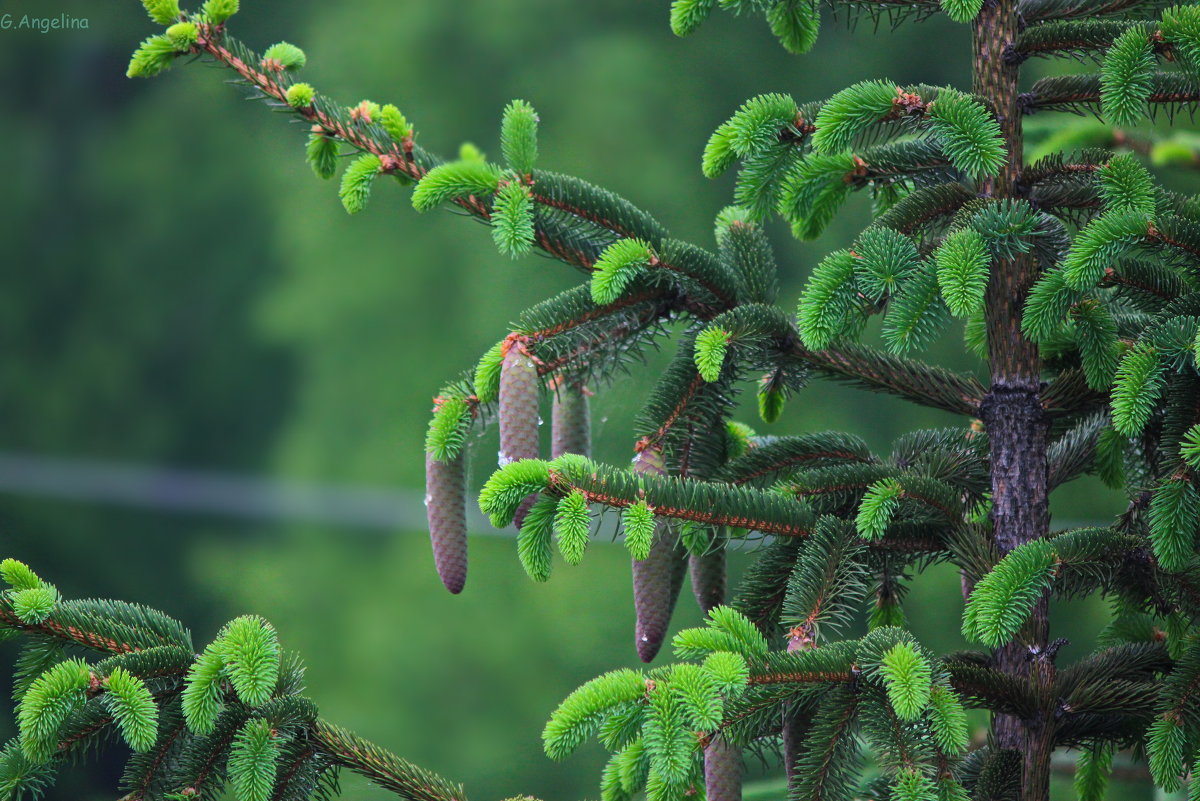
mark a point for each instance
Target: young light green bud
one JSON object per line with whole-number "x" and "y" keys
{"x": 284, "y": 56}
{"x": 153, "y": 56}
{"x": 164, "y": 12}
{"x": 218, "y": 11}
{"x": 395, "y": 123}
{"x": 183, "y": 35}
{"x": 300, "y": 95}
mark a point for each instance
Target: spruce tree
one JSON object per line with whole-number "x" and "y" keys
{"x": 1076, "y": 278}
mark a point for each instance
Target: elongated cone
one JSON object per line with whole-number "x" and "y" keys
{"x": 571, "y": 426}
{"x": 518, "y": 413}
{"x": 795, "y": 725}
{"x": 446, "y": 508}
{"x": 708, "y": 577}
{"x": 795, "y": 729}
{"x": 722, "y": 771}
{"x": 658, "y": 578}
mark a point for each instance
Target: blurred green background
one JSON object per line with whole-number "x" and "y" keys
{"x": 177, "y": 292}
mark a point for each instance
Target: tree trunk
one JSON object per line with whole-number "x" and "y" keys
{"x": 1012, "y": 410}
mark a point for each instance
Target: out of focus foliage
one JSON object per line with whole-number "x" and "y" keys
{"x": 245, "y": 325}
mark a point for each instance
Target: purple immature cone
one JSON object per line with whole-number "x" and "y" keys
{"x": 518, "y": 413}
{"x": 722, "y": 771}
{"x": 571, "y": 425}
{"x": 708, "y": 577}
{"x": 446, "y": 508}
{"x": 795, "y": 726}
{"x": 658, "y": 578}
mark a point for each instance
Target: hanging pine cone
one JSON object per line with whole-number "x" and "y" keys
{"x": 658, "y": 578}
{"x": 571, "y": 425}
{"x": 446, "y": 509}
{"x": 722, "y": 771}
{"x": 518, "y": 412}
{"x": 708, "y": 577}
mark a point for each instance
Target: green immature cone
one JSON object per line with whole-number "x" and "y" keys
{"x": 658, "y": 578}
{"x": 518, "y": 412}
{"x": 133, "y": 709}
{"x": 963, "y": 263}
{"x": 357, "y": 182}
{"x": 572, "y": 525}
{"x": 1127, "y": 77}
{"x": 570, "y": 421}
{"x": 512, "y": 219}
{"x": 518, "y": 137}
{"x": 446, "y": 512}
{"x": 252, "y": 761}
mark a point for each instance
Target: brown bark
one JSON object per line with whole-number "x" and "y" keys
{"x": 1012, "y": 411}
